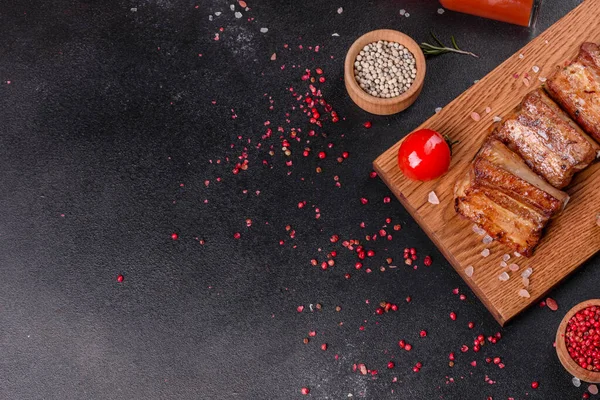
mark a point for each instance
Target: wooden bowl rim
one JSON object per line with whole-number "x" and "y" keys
{"x": 561, "y": 348}
{"x": 390, "y": 35}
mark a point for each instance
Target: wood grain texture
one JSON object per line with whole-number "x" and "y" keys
{"x": 376, "y": 105}
{"x": 561, "y": 347}
{"x": 569, "y": 240}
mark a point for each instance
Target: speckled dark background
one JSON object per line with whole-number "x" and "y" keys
{"x": 109, "y": 111}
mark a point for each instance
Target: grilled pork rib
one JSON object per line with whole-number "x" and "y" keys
{"x": 550, "y": 143}
{"x": 508, "y": 200}
{"x": 576, "y": 88}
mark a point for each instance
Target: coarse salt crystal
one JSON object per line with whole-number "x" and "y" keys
{"x": 274, "y": 57}
{"x": 218, "y": 13}
{"x": 521, "y": 56}
{"x": 506, "y": 257}
{"x": 407, "y": 15}
{"x": 488, "y": 110}
{"x": 402, "y": 12}
{"x": 527, "y": 273}
{"x": 526, "y": 82}
{"x": 210, "y": 17}
{"x": 441, "y": 11}
{"x": 340, "y": 10}
{"x": 232, "y": 7}
{"x": 133, "y": 9}
{"x": 485, "y": 253}
{"x": 433, "y": 199}
{"x": 503, "y": 264}
{"x": 513, "y": 267}
{"x": 497, "y": 119}
{"x": 476, "y": 81}
{"x": 476, "y": 117}
{"x": 335, "y": 34}
{"x": 535, "y": 69}
{"x": 504, "y": 277}
{"x": 264, "y": 30}
{"x": 524, "y": 293}
{"x": 487, "y": 239}
{"x": 525, "y": 282}
{"x": 517, "y": 254}
{"x": 543, "y": 79}
{"x": 478, "y": 230}
{"x": 438, "y": 109}
{"x": 469, "y": 271}
{"x": 238, "y": 14}
{"x": 593, "y": 389}
{"x": 576, "y": 381}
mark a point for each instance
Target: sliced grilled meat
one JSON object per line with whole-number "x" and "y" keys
{"x": 547, "y": 139}
{"x": 508, "y": 200}
{"x": 576, "y": 88}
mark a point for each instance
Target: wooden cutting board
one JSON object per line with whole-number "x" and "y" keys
{"x": 569, "y": 240}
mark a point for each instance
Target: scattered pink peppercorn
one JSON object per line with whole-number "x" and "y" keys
{"x": 402, "y": 344}
{"x": 174, "y": 236}
{"x": 120, "y": 278}
{"x": 364, "y": 201}
{"x": 471, "y": 325}
{"x": 408, "y": 299}
{"x": 427, "y": 261}
{"x": 423, "y": 333}
{"x": 322, "y": 155}
{"x": 324, "y": 346}
{"x": 236, "y": 235}
{"x": 347, "y": 276}
{"x": 391, "y": 365}
{"x": 535, "y": 385}
{"x": 358, "y": 265}
{"x": 451, "y": 356}
{"x": 408, "y": 347}
{"x": 373, "y": 174}
{"x": 367, "y": 124}
{"x": 379, "y": 311}
{"x": 305, "y": 390}
{"x": 394, "y": 307}
{"x": 453, "y": 316}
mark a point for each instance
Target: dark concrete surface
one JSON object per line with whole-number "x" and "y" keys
{"x": 110, "y": 130}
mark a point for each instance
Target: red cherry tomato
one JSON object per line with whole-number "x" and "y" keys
{"x": 424, "y": 155}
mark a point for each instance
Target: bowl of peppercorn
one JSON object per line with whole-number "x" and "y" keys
{"x": 578, "y": 341}
{"x": 384, "y": 71}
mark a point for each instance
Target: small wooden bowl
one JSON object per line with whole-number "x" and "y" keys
{"x": 376, "y": 105}
{"x": 561, "y": 347}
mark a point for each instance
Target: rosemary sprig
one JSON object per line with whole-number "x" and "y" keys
{"x": 433, "y": 50}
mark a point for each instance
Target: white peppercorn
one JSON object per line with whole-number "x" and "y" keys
{"x": 385, "y": 69}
